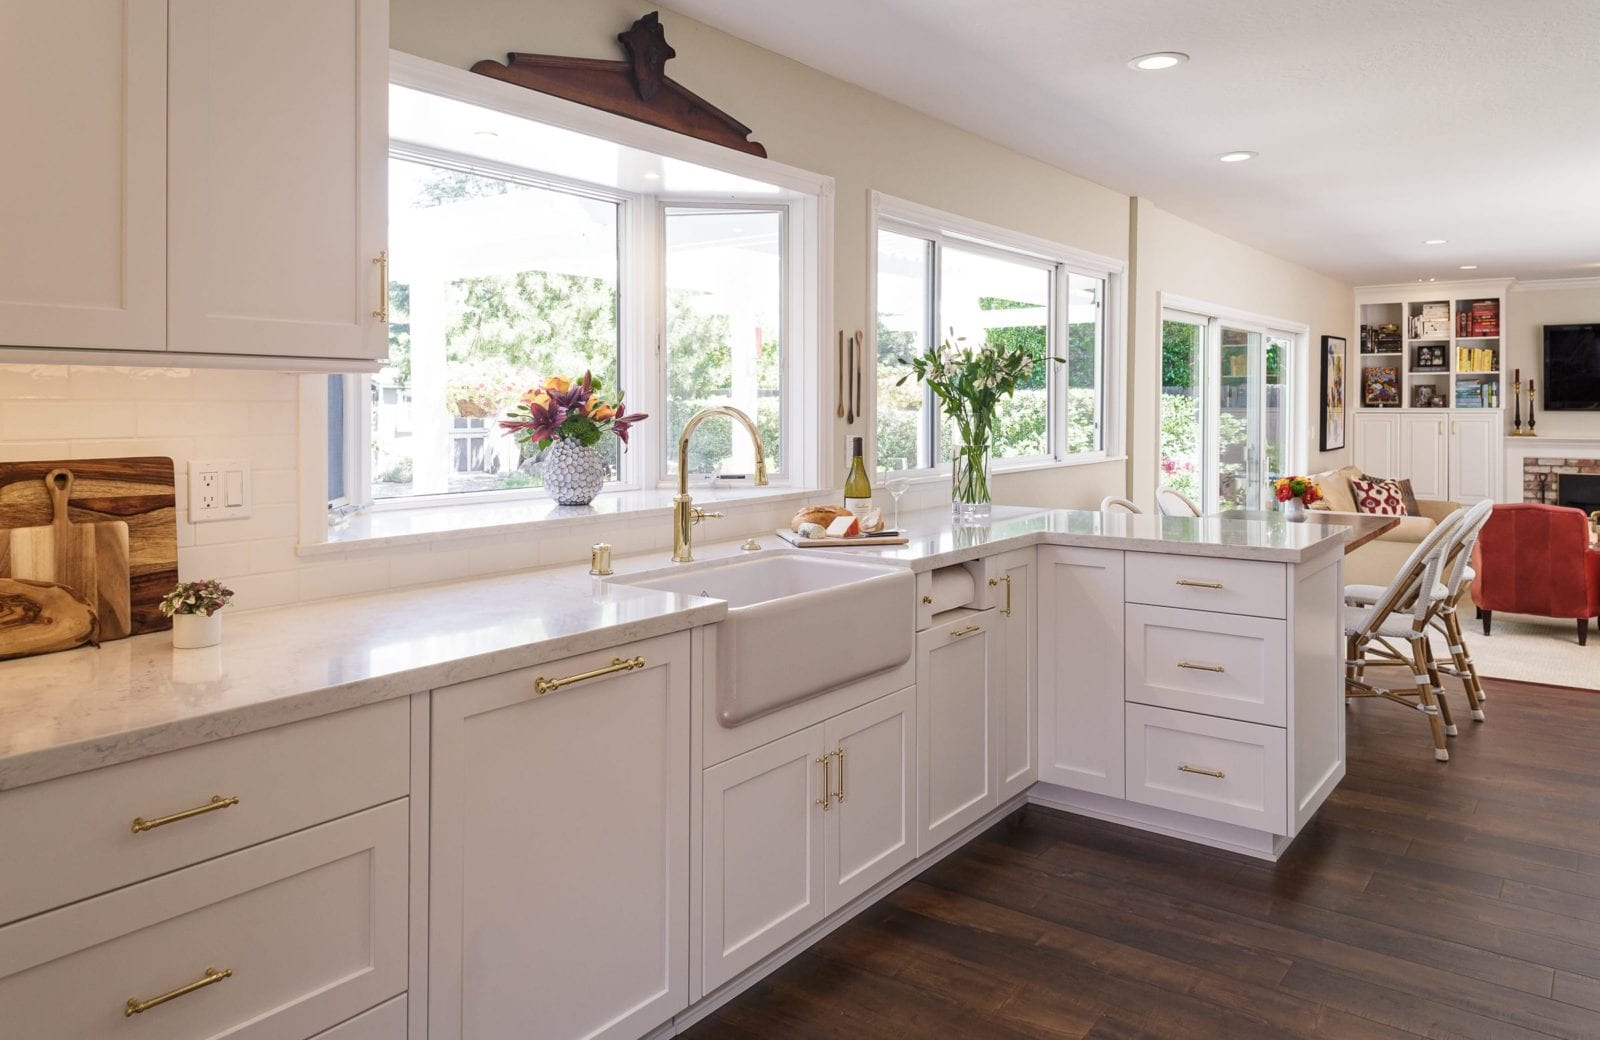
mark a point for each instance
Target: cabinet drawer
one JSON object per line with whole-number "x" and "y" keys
{"x": 387, "y": 1021}
{"x": 71, "y": 838}
{"x": 1218, "y": 769}
{"x": 1206, "y": 583}
{"x": 312, "y": 928}
{"x": 1216, "y": 664}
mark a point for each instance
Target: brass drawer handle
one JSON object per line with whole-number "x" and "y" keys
{"x": 927, "y": 601}
{"x": 826, "y": 761}
{"x": 1190, "y": 583}
{"x": 382, "y": 260}
{"x": 140, "y": 824}
{"x": 966, "y": 631}
{"x": 1219, "y": 774}
{"x": 542, "y": 686}
{"x": 838, "y": 792}
{"x": 1007, "y": 579}
{"x": 1202, "y": 667}
{"x": 135, "y": 1006}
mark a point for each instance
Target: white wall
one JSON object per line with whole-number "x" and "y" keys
{"x": 1175, "y": 256}
{"x": 1531, "y": 306}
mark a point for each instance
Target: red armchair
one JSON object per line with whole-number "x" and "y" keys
{"x": 1536, "y": 559}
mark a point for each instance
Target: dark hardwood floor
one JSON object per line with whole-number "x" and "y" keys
{"x": 1457, "y": 900}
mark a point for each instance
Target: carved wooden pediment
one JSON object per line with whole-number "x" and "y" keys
{"x": 637, "y": 87}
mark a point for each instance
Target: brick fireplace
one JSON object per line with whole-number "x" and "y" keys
{"x": 1560, "y": 480}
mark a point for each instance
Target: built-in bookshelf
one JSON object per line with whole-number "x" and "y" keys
{"x": 1427, "y": 350}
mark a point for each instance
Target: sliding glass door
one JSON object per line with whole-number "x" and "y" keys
{"x": 1224, "y": 410}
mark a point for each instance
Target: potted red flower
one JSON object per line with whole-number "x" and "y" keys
{"x": 1296, "y": 493}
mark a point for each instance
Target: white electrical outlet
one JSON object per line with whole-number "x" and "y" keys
{"x": 219, "y": 489}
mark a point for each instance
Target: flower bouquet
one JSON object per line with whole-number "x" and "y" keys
{"x": 969, "y": 382}
{"x": 1296, "y": 493}
{"x": 565, "y": 419}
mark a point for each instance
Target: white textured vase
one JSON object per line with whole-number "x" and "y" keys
{"x": 573, "y": 473}
{"x": 193, "y": 631}
{"x": 1294, "y": 511}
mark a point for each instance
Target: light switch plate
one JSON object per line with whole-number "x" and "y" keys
{"x": 219, "y": 489}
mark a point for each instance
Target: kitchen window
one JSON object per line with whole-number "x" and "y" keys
{"x": 940, "y": 277}
{"x": 519, "y": 251}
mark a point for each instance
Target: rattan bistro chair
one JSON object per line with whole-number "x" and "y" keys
{"x": 1113, "y": 504}
{"x": 1375, "y": 633}
{"x": 1173, "y": 502}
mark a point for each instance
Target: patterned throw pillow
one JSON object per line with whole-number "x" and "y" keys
{"x": 1379, "y": 497}
{"x": 1408, "y": 496}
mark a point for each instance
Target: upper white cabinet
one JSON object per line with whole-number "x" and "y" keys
{"x": 85, "y": 200}
{"x": 559, "y": 895}
{"x": 213, "y": 182}
{"x": 1081, "y": 629}
{"x": 277, "y": 138}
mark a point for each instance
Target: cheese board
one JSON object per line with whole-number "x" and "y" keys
{"x": 862, "y": 541}
{"x": 89, "y": 558}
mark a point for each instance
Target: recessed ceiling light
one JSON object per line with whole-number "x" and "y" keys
{"x": 1158, "y": 61}
{"x": 1469, "y": 267}
{"x": 1237, "y": 156}
{"x": 485, "y": 133}
{"x": 651, "y": 175}
{"x": 1433, "y": 242}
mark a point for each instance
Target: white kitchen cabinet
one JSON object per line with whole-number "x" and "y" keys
{"x": 559, "y": 890}
{"x": 1476, "y": 455}
{"x": 870, "y": 831}
{"x": 1081, "y": 630}
{"x": 1424, "y": 453}
{"x": 762, "y": 827}
{"x": 278, "y": 140}
{"x": 83, "y": 106}
{"x": 958, "y": 687}
{"x": 1012, "y": 577}
{"x": 1375, "y": 441}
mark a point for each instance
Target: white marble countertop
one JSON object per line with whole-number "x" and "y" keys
{"x": 78, "y": 710}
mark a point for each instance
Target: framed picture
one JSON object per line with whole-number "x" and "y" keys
{"x": 1431, "y": 357}
{"x": 1380, "y": 387}
{"x": 1422, "y": 396}
{"x": 1332, "y": 393}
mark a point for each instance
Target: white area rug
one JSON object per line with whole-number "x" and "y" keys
{"x": 1530, "y": 649}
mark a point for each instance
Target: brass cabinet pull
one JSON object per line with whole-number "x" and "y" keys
{"x": 382, "y": 260}
{"x": 827, "y": 782}
{"x": 1201, "y": 667}
{"x": 1007, "y": 579}
{"x": 1190, "y": 583}
{"x": 927, "y": 601}
{"x": 140, "y": 824}
{"x": 1219, "y": 774}
{"x": 966, "y": 631}
{"x": 542, "y": 686}
{"x": 135, "y": 1006}
{"x": 838, "y": 793}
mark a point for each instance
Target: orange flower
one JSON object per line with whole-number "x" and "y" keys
{"x": 558, "y": 384}
{"x": 536, "y": 396}
{"x": 598, "y": 410}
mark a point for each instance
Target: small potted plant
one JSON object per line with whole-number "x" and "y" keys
{"x": 193, "y": 606}
{"x": 1296, "y": 493}
{"x": 565, "y": 419}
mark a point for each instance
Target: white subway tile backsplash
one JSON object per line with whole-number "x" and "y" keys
{"x": 221, "y": 384}
{"x": 24, "y": 382}
{"x": 48, "y": 419}
{"x": 132, "y": 384}
{"x": 225, "y": 562}
{"x": 272, "y": 487}
{"x": 34, "y": 451}
{"x": 255, "y": 591}
{"x": 325, "y": 579}
{"x": 263, "y": 522}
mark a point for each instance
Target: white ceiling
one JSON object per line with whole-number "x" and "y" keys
{"x": 1379, "y": 123}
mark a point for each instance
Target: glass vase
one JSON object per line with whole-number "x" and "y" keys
{"x": 970, "y": 472}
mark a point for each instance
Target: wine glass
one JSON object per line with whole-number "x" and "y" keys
{"x": 897, "y": 489}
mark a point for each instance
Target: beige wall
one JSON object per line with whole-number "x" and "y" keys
{"x": 1528, "y": 310}
{"x": 1178, "y": 257}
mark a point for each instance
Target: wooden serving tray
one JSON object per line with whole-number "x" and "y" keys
{"x": 859, "y": 542}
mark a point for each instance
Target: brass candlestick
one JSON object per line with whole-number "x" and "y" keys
{"x": 1531, "y": 420}
{"x": 1516, "y": 401}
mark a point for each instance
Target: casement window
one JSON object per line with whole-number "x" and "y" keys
{"x": 681, "y": 285}
{"x": 939, "y": 277}
{"x": 1228, "y": 390}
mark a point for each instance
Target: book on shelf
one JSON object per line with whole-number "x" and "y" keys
{"x": 1478, "y": 318}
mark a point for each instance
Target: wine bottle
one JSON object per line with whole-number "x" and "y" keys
{"x": 857, "y": 488}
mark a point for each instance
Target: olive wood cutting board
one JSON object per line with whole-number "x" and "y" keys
{"x": 111, "y": 498}
{"x": 858, "y": 542}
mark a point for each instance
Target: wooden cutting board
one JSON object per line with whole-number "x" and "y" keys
{"x": 91, "y": 559}
{"x": 135, "y": 492}
{"x": 37, "y": 617}
{"x": 859, "y": 542}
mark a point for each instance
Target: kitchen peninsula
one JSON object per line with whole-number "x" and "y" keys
{"x": 532, "y": 771}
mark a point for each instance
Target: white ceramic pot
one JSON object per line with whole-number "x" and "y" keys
{"x": 193, "y": 631}
{"x": 1294, "y": 511}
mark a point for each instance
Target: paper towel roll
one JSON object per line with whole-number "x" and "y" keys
{"x": 952, "y": 587}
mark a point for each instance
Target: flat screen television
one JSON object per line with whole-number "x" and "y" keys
{"x": 1571, "y": 368}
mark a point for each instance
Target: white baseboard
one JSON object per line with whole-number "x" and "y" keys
{"x": 1226, "y": 836}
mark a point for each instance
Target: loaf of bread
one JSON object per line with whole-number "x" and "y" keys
{"x": 823, "y": 515}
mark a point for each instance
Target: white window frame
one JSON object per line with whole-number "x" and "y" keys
{"x": 808, "y": 304}
{"x": 901, "y": 216}
{"x": 1211, "y": 317}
